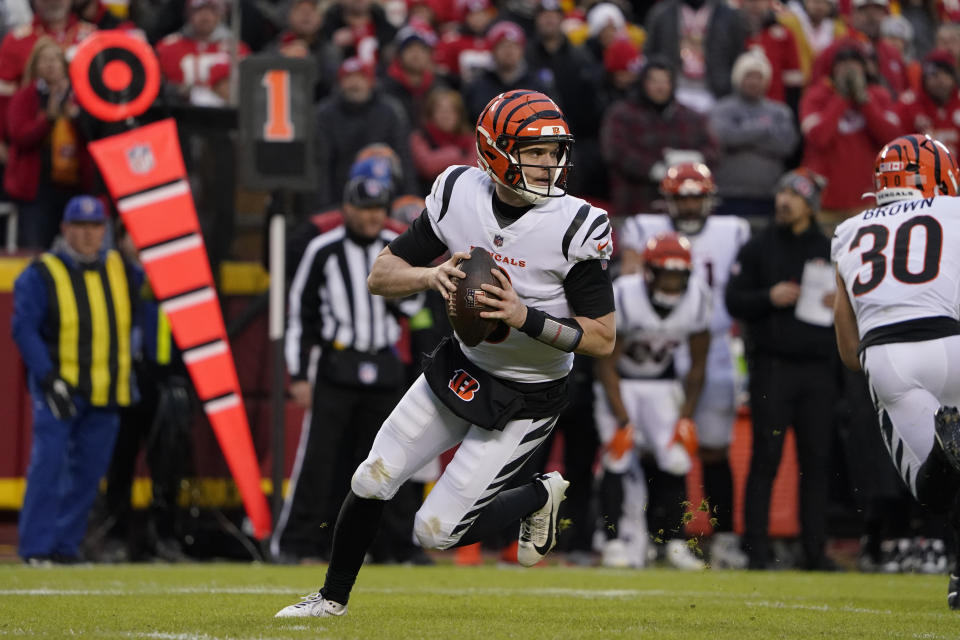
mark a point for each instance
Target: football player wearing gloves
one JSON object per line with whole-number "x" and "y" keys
{"x": 898, "y": 319}
{"x": 689, "y": 191}
{"x": 644, "y": 407}
{"x": 500, "y": 399}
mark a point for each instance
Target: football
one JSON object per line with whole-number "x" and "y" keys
{"x": 464, "y": 305}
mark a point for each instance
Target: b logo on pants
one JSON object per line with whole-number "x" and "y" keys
{"x": 464, "y": 385}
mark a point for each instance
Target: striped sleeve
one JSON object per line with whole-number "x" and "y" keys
{"x": 303, "y": 319}
{"x": 588, "y": 236}
{"x": 440, "y": 200}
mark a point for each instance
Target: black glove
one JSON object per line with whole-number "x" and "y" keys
{"x": 59, "y": 397}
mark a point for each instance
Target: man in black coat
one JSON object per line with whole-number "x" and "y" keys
{"x": 355, "y": 116}
{"x": 792, "y": 364}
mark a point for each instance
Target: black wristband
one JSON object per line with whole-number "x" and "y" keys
{"x": 560, "y": 333}
{"x": 533, "y": 325}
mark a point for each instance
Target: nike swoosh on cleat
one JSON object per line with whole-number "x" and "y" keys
{"x": 545, "y": 549}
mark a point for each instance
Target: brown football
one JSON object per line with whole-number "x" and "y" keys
{"x": 465, "y": 305}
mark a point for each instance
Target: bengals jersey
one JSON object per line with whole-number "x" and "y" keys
{"x": 714, "y": 250}
{"x": 650, "y": 340}
{"x": 898, "y": 262}
{"x": 537, "y": 251}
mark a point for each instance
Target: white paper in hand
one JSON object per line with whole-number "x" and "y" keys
{"x": 818, "y": 280}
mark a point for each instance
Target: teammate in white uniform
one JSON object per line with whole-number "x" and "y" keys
{"x": 897, "y": 311}
{"x": 639, "y": 397}
{"x": 689, "y": 189}
{"x": 500, "y": 399}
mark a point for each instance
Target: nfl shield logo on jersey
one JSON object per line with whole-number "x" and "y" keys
{"x": 498, "y": 240}
{"x": 140, "y": 158}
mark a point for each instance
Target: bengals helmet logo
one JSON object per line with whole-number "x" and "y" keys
{"x": 464, "y": 385}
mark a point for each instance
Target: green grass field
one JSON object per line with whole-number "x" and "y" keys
{"x": 237, "y": 601}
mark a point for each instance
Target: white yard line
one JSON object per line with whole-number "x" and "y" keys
{"x": 587, "y": 594}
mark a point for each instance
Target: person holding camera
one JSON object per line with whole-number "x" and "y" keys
{"x": 48, "y": 161}
{"x": 845, "y": 119}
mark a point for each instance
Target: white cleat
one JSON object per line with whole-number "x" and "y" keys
{"x": 313, "y": 606}
{"x": 680, "y": 556}
{"x": 615, "y": 555}
{"x": 725, "y": 552}
{"x": 538, "y": 531}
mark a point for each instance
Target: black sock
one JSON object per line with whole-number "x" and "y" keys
{"x": 507, "y": 508}
{"x": 353, "y": 534}
{"x": 611, "y": 502}
{"x": 718, "y": 489}
{"x": 937, "y": 481}
{"x": 666, "y": 506}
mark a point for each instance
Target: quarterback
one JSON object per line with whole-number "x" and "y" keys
{"x": 896, "y": 316}
{"x": 499, "y": 399}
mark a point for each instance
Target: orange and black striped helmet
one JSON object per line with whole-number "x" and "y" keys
{"x": 914, "y": 166}
{"x": 513, "y": 120}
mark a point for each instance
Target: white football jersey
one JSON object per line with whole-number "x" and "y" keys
{"x": 900, "y": 262}
{"x": 714, "y": 251}
{"x": 651, "y": 341}
{"x": 537, "y": 251}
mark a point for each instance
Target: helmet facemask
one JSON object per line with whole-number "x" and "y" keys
{"x": 514, "y": 178}
{"x": 689, "y": 219}
{"x": 666, "y": 285}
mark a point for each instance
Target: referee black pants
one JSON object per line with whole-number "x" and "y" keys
{"x": 783, "y": 394}
{"x": 343, "y": 423}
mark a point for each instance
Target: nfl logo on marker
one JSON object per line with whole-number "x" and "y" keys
{"x": 498, "y": 240}
{"x": 140, "y": 158}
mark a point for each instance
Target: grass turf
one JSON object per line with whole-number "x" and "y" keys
{"x": 237, "y": 601}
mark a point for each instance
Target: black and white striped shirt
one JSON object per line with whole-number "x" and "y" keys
{"x": 330, "y": 303}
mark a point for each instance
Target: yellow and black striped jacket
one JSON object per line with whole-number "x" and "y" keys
{"x": 87, "y": 325}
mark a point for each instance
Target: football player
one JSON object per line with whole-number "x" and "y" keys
{"x": 689, "y": 189}
{"x": 500, "y": 399}
{"x": 896, "y": 316}
{"x": 641, "y": 402}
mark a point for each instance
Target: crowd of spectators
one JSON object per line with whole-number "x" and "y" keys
{"x": 752, "y": 88}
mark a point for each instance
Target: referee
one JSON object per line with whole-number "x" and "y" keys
{"x": 359, "y": 376}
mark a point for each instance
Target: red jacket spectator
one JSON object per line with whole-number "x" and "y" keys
{"x": 935, "y": 107}
{"x": 780, "y": 48}
{"x": 889, "y": 63}
{"x": 187, "y": 57}
{"x": 17, "y": 45}
{"x": 445, "y": 139}
{"x": 29, "y": 129}
{"x": 842, "y": 139}
{"x": 462, "y": 53}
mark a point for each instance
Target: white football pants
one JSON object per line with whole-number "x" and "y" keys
{"x": 420, "y": 428}
{"x": 909, "y": 381}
